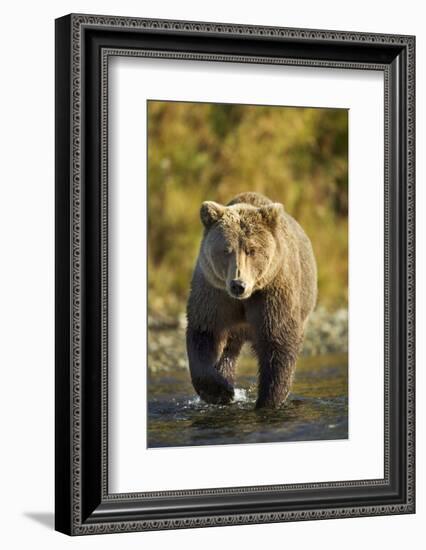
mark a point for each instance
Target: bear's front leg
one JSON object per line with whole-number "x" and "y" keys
{"x": 277, "y": 340}
{"x": 204, "y": 351}
{"x": 277, "y": 364}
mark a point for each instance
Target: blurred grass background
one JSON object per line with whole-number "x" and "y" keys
{"x": 204, "y": 151}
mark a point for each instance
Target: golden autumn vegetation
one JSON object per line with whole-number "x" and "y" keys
{"x": 203, "y": 151}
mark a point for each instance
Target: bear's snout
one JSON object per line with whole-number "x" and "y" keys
{"x": 237, "y": 287}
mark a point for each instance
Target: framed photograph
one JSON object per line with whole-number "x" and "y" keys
{"x": 234, "y": 274}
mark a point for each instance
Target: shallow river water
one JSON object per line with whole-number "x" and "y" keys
{"x": 316, "y": 409}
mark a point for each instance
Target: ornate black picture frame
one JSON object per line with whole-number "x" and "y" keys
{"x": 84, "y": 44}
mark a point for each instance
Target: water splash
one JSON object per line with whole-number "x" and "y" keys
{"x": 241, "y": 395}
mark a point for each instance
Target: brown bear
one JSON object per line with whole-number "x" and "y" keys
{"x": 255, "y": 279}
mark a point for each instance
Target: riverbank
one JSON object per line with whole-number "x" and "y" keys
{"x": 327, "y": 333}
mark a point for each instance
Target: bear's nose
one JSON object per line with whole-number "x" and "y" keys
{"x": 237, "y": 287}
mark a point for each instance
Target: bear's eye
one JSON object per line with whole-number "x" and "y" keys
{"x": 227, "y": 250}
{"x": 251, "y": 252}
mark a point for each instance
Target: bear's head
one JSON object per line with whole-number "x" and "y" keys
{"x": 241, "y": 251}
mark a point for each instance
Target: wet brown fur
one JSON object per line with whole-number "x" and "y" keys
{"x": 255, "y": 240}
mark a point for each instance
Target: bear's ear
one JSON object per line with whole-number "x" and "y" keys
{"x": 210, "y": 213}
{"x": 271, "y": 213}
